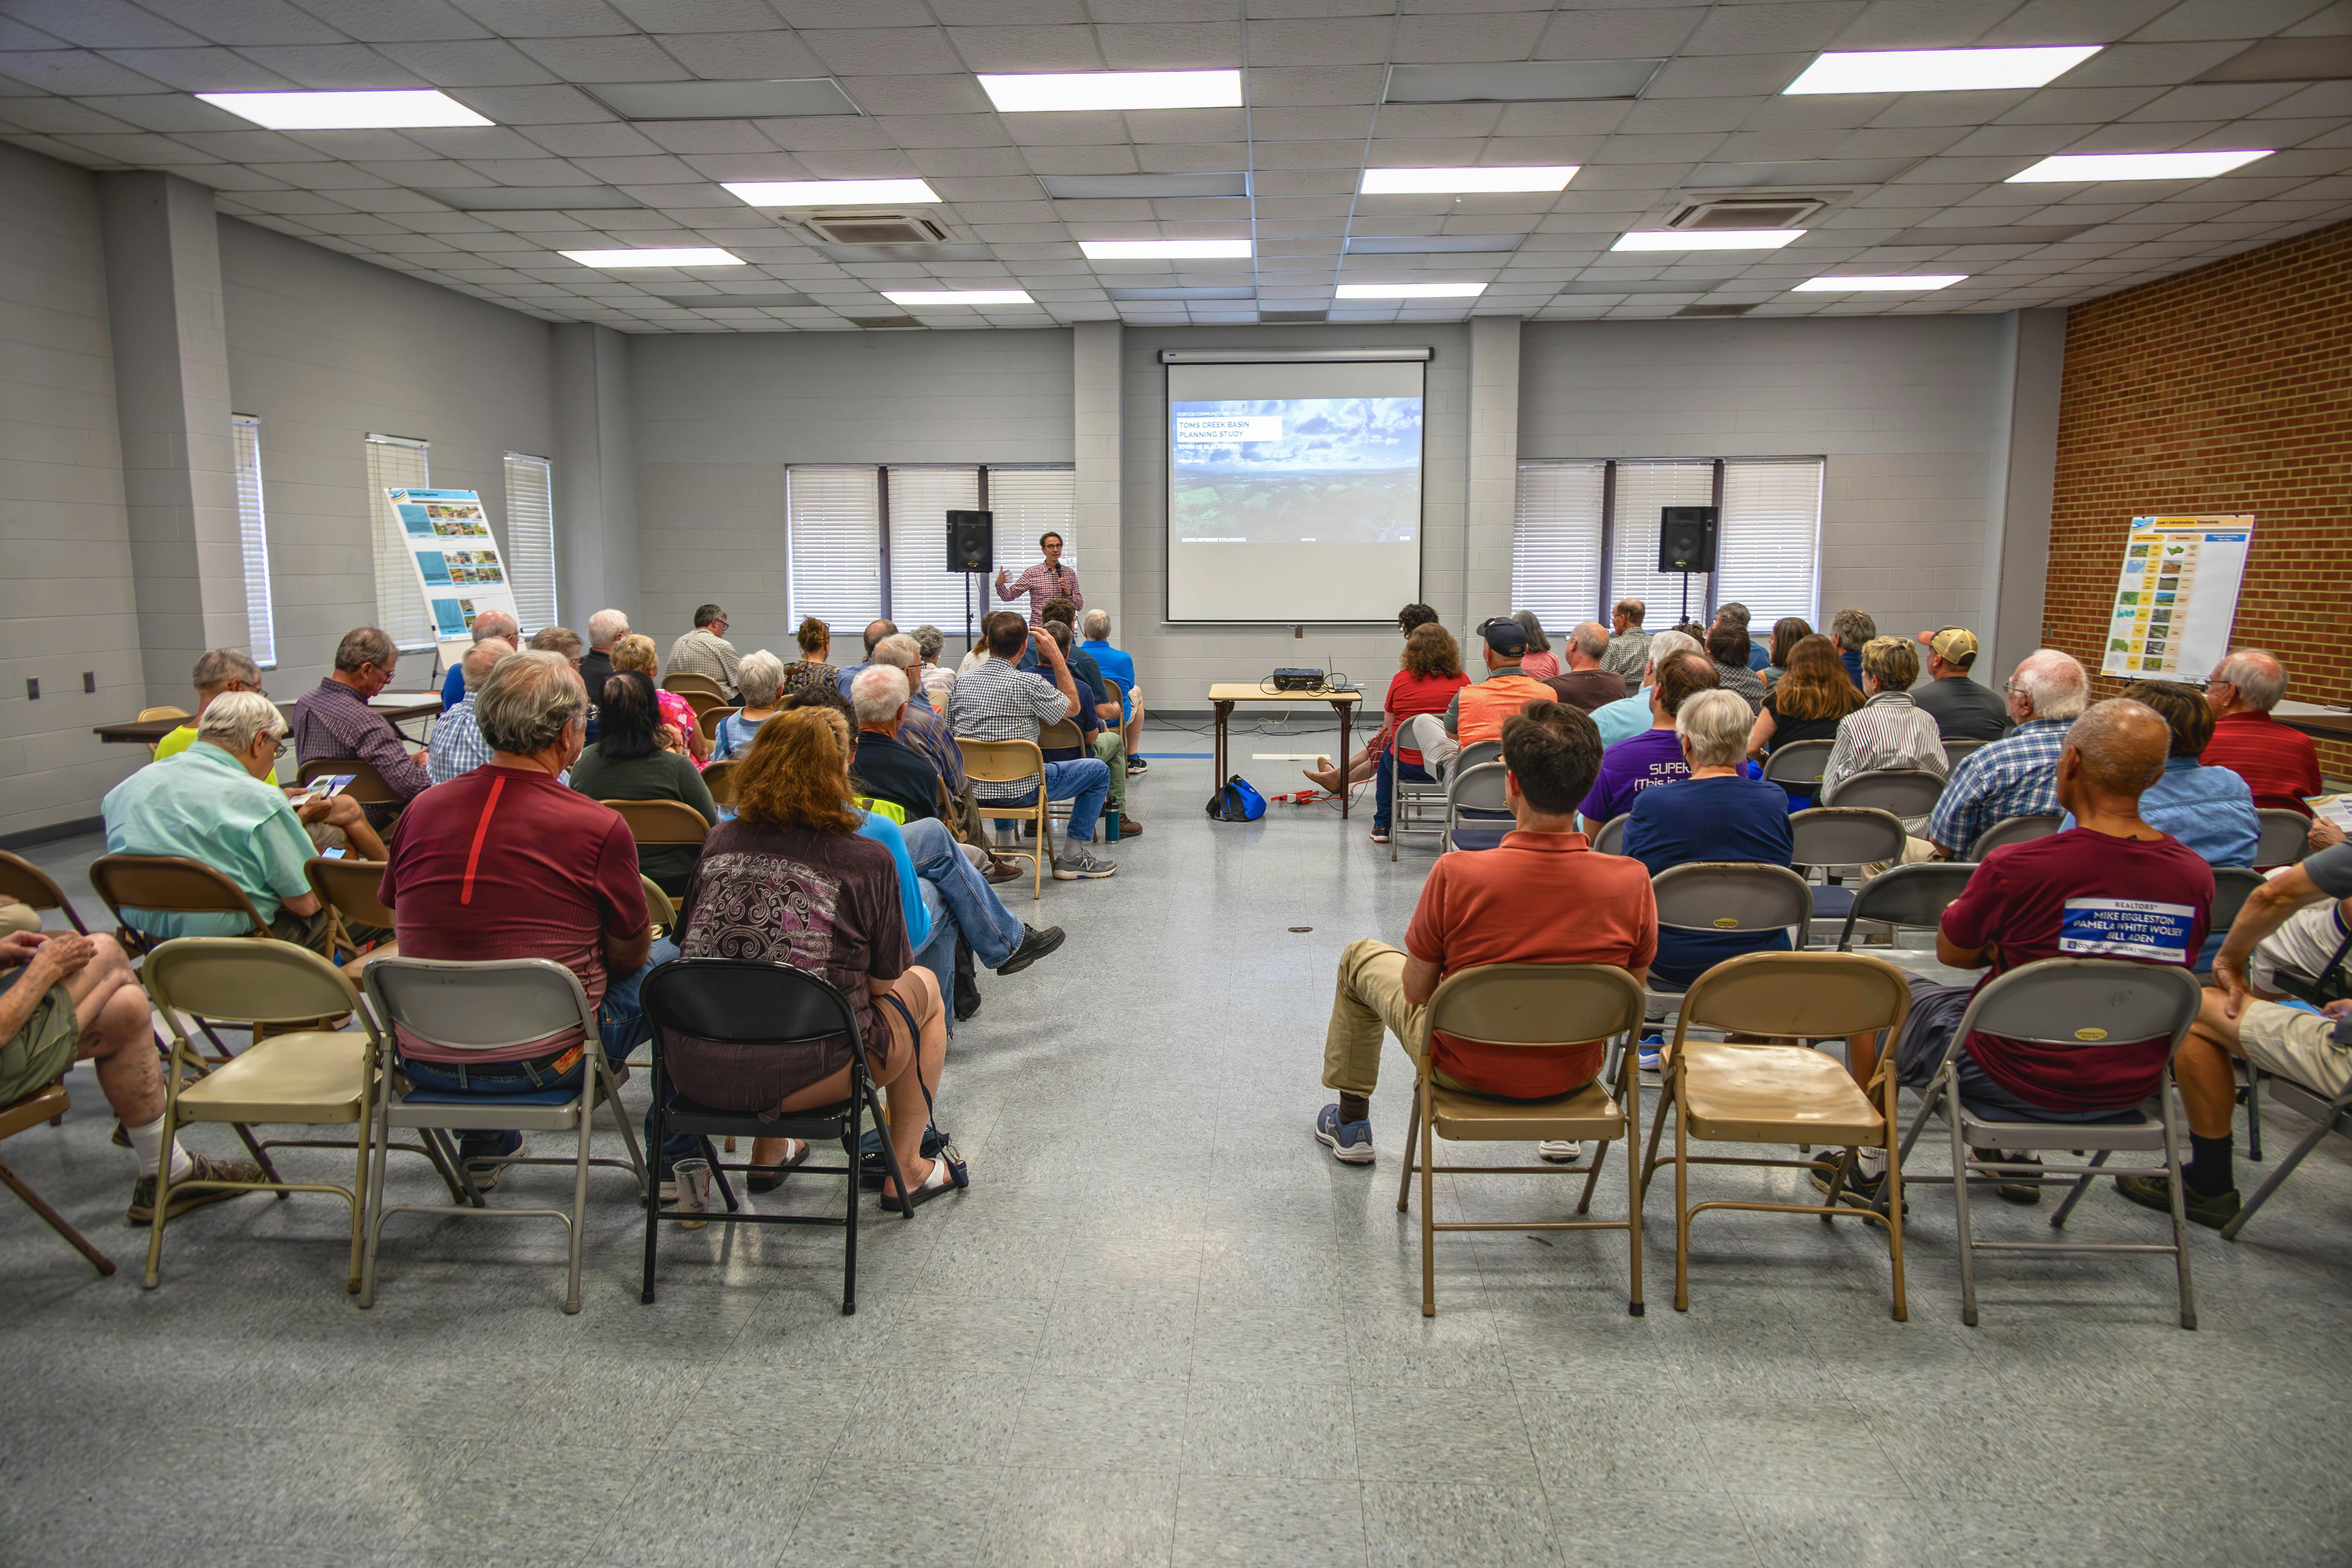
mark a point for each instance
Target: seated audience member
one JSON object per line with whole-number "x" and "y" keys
{"x": 1719, "y": 813}
{"x": 995, "y": 701}
{"x": 1739, "y": 614}
{"x": 1119, "y": 666}
{"x": 1478, "y": 712}
{"x": 1102, "y": 716}
{"x": 812, "y": 668}
{"x": 1584, "y": 685}
{"x": 221, "y": 669}
{"x": 933, "y": 680}
{"x": 458, "y": 746}
{"x": 489, "y": 624}
{"x": 874, "y": 632}
{"x": 794, "y": 844}
{"x": 333, "y": 721}
{"x": 2281, "y": 765}
{"x": 2243, "y": 1017}
{"x": 1539, "y": 663}
{"x": 2212, "y": 810}
{"x": 65, "y": 998}
{"x": 1963, "y": 711}
{"x": 1851, "y": 630}
{"x": 761, "y": 677}
{"x": 1540, "y": 897}
{"x": 1654, "y": 756}
{"x": 704, "y": 650}
{"x": 505, "y": 862}
{"x": 1727, "y": 647}
{"x": 1428, "y": 679}
{"x": 633, "y": 760}
{"x": 2048, "y": 898}
{"x": 925, "y": 728}
{"x": 2016, "y": 776}
{"x": 563, "y": 641}
{"x": 1629, "y": 645}
{"x": 635, "y": 652}
{"x": 1886, "y": 733}
{"x": 1629, "y": 714}
{"x": 209, "y": 804}
{"x": 1787, "y": 632}
{"x": 1807, "y": 703}
{"x": 884, "y": 767}
{"x": 605, "y": 627}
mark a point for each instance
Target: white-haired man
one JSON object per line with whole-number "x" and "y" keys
{"x": 2016, "y": 776}
{"x": 605, "y": 627}
{"x": 217, "y": 671}
{"x": 457, "y": 745}
{"x": 1629, "y": 714}
{"x": 1094, "y": 626}
{"x": 210, "y": 803}
{"x": 488, "y": 625}
{"x": 2279, "y": 765}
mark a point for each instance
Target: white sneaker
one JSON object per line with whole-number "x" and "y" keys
{"x": 1560, "y": 1151}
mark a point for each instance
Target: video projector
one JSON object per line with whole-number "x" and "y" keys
{"x": 1298, "y": 680}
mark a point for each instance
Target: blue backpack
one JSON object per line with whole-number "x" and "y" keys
{"x": 1237, "y": 800}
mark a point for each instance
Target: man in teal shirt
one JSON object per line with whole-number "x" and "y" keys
{"x": 1119, "y": 666}
{"x": 210, "y": 803}
{"x": 1629, "y": 715}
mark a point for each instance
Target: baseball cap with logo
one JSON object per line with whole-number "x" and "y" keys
{"x": 1505, "y": 635}
{"x": 1955, "y": 645}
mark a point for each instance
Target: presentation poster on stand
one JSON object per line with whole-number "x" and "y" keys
{"x": 456, "y": 561}
{"x": 1293, "y": 491}
{"x": 2178, "y": 596}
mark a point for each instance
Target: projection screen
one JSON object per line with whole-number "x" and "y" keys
{"x": 1293, "y": 491}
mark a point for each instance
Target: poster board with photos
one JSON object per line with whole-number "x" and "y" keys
{"x": 2177, "y": 597}
{"x": 456, "y": 561}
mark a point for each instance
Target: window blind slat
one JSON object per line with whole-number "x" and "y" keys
{"x": 253, "y": 536}
{"x": 1771, "y": 540}
{"x": 530, "y": 541}
{"x": 399, "y": 606}
{"x": 1643, "y": 488}
{"x": 1556, "y": 543}
{"x": 833, "y": 546}
{"x": 922, "y": 590}
{"x": 1028, "y": 502}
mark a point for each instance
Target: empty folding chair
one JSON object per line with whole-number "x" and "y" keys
{"x": 350, "y": 888}
{"x": 2082, "y": 1005}
{"x": 1909, "y": 792}
{"x": 1906, "y": 898}
{"x": 2011, "y": 830}
{"x": 1832, "y": 839}
{"x": 1797, "y": 764}
{"x": 2285, "y": 838}
{"x": 1408, "y": 799}
{"x": 1478, "y": 812}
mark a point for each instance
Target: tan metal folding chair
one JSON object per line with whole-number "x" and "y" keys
{"x": 1063, "y": 735}
{"x": 47, "y": 1105}
{"x": 1014, "y": 763}
{"x": 719, "y": 778}
{"x": 33, "y": 887}
{"x": 688, "y": 685}
{"x": 1725, "y": 896}
{"x": 163, "y": 712}
{"x": 655, "y": 824}
{"x": 1783, "y": 1091}
{"x": 660, "y": 912}
{"x": 1526, "y": 1006}
{"x": 367, "y": 785}
{"x": 708, "y": 717}
{"x": 350, "y": 888}
{"x": 1834, "y": 840}
{"x": 165, "y": 885}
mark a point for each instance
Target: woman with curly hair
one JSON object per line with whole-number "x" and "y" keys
{"x": 810, "y": 671}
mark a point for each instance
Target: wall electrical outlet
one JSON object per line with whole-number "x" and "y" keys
{"x": 32, "y": 690}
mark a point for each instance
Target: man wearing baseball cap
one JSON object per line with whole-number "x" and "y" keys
{"x": 1476, "y": 713}
{"x": 1963, "y": 711}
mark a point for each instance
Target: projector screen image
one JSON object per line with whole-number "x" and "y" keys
{"x": 1293, "y": 491}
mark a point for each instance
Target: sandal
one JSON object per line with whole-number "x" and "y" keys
{"x": 768, "y": 1178}
{"x": 947, "y": 1175}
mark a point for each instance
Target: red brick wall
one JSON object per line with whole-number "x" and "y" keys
{"x": 2227, "y": 389}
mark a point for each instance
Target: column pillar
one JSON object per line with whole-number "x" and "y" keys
{"x": 2026, "y": 479}
{"x": 1492, "y": 503}
{"x": 1095, "y": 517}
{"x": 596, "y": 473}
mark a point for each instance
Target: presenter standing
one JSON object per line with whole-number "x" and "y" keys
{"x": 1043, "y": 583}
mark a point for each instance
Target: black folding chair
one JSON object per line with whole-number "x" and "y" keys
{"x": 704, "y": 1002}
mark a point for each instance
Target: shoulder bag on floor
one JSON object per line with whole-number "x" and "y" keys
{"x": 1236, "y": 801}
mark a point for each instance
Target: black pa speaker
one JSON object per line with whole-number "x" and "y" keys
{"x": 972, "y": 542}
{"x": 1687, "y": 539}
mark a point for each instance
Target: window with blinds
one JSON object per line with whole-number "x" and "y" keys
{"x": 1556, "y": 543}
{"x": 393, "y": 463}
{"x": 1028, "y": 502}
{"x": 1643, "y": 488}
{"x": 1771, "y": 538}
{"x": 922, "y": 590}
{"x": 253, "y": 537}
{"x": 833, "y": 546}
{"x": 530, "y": 541}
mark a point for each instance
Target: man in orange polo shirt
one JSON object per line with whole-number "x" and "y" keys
{"x": 1540, "y": 897}
{"x": 1477, "y": 712}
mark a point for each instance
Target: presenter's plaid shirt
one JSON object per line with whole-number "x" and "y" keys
{"x": 1043, "y": 584}
{"x": 995, "y": 702}
{"x": 457, "y": 745}
{"x": 2016, "y": 776}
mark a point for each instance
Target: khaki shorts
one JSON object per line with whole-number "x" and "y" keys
{"x": 2295, "y": 1045}
{"x": 42, "y": 1050}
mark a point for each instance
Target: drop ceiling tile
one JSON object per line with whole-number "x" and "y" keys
{"x": 1099, "y": 210}
{"x": 1580, "y": 119}
{"x": 1023, "y": 49}
{"x": 997, "y": 161}
{"x": 828, "y": 133}
{"x": 1350, "y": 155}
{"x": 138, "y": 148}
{"x": 698, "y": 15}
{"x": 470, "y": 63}
{"x": 1440, "y": 120}
{"x": 558, "y": 105}
{"x": 1446, "y": 39}
{"x": 61, "y": 115}
{"x": 2226, "y": 19}
{"x": 1292, "y": 86}
{"x": 1353, "y": 121}
{"x": 547, "y": 18}
{"x": 958, "y": 94}
{"x": 1552, "y": 151}
{"x": 1170, "y": 46}
{"x": 1176, "y": 126}
{"x": 855, "y": 163}
{"x": 884, "y": 51}
{"x": 1274, "y": 208}
{"x": 74, "y": 72}
{"x": 1304, "y": 182}
{"x": 690, "y": 137}
{"x": 946, "y": 131}
{"x": 1330, "y": 41}
{"x": 1190, "y": 158}
{"x": 615, "y": 140}
{"x": 595, "y": 59}
{"x": 256, "y": 146}
{"x": 771, "y": 55}
{"x": 203, "y": 71}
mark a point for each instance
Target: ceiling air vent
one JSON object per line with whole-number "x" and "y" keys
{"x": 883, "y": 323}
{"x": 1715, "y": 310}
{"x": 1748, "y": 212}
{"x": 874, "y": 228}
{"x": 1292, "y": 318}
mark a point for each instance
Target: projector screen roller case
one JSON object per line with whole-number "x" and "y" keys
{"x": 1293, "y": 491}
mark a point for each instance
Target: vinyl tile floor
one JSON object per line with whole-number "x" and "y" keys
{"x": 1162, "y": 1327}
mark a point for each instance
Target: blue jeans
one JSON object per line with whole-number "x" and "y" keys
{"x": 1085, "y": 784}
{"x": 939, "y": 954}
{"x": 971, "y": 905}
{"x": 1384, "y": 793}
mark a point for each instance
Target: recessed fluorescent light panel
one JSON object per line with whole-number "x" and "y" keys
{"x": 789, "y": 99}
{"x": 933, "y": 297}
{"x": 1163, "y": 250}
{"x": 1065, "y": 91}
{"x": 1411, "y": 290}
{"x": 1939, "y": 70}
{"x": 1533, "y": 82}
{"x": 398, "y": 110}
{"x": 1705, "y": 239}
{"x": 2093, "y": 166}
{"x": 1466, "y": 182}
{"x": 616, "y": 259}
{"x": 832, "y": 193}
{"x": 1134, "y": 187}
{"x": 1878, "y": 285}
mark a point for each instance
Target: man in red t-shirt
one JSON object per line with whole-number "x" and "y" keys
{"x": 1540, "y": 897}
{"x": 2279, "y": 765}
{"x": 507, "y": 861}
{"x": 2109, "y": 887}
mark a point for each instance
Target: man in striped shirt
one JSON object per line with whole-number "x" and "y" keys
{"x": 1043, "y": 583}
{"x": 2016, "y": 776}
{"x": 993, "y": 700}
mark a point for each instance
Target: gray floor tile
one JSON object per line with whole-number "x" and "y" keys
{"x": 1441, "y": 1435}
{"x": 1415, "y": 1523}
{"x": 1233, "y": 1519}
{"x": 696, "y": 1506}
{"x": 1099, "y": 1424}
{"x": 1048, "y": 1519}
{"x": 896, "y": 1511}
{"x": 1293, "y": 1431}
{"x": 1642, "y": 1526}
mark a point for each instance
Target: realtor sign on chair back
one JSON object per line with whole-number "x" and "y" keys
{"x": 456, "y": 561}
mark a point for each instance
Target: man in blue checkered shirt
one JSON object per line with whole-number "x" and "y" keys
{"x": 458, "y": 746}
{"x": 2016, "y": 776}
